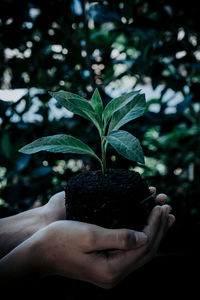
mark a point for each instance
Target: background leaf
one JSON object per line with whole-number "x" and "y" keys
{"x": 6, "y": 145}
{"x": 127, "y": 145}
{"x": 103, "y": 13}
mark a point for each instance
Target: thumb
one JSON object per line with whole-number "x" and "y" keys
{"x": 123, "y": 239}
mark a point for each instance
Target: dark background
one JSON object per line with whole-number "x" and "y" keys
{"x": 155, "y": 43}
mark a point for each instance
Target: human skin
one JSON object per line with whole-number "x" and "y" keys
{"x": 16, "y": 229}
{"x": 75, "y": 249}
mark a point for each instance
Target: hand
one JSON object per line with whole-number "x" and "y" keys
{"x": 16, "y": 229}
{"x": 76, "y": 249}
{"x": 55, "y": 208}
{"x": 84, "y": 251}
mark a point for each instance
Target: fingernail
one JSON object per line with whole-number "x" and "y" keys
{"x": 166, "y": 209}
{"x": 162, "y": 198}
{"x": 152, "y": 189}
{"x": 157, "y": 209}
{"x": 141, "y": 238}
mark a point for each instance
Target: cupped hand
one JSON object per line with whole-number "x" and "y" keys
{"x": 84, "y": 251}
{"x": 55, "y": 208}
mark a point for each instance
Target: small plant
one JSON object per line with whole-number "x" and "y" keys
{"x": 108, "y": 121}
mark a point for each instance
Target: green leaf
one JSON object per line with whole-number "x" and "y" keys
{"x": 134, "y": 109}
{"x": 79, "y": 106}
{"x": 126, "y": 144}
{"x": 116, "y": 104}
{"x": 59, "y": 143}
{"x": 72, "y": 102}
{"x": 97, "y": 103}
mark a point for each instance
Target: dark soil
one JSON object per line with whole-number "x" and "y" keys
{"x": 112, "y": 201}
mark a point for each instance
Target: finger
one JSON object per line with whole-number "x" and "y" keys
{"x": 122, "y": 239}
{"x": 171, "y": 220}
{"x": 161, "y": 198}
{"x": 153, "y": 222}
{"x": 159, "y": 221}
{"x": 126, "y": 262}
{"x": 163, "y": 227}
{"x": 166, "y": 209}
{"x": 152, "y": 189}
{"x": 57, "y": 197}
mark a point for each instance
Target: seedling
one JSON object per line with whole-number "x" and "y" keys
{"x": 108, "y": 122}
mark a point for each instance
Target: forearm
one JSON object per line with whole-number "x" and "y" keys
{"x": 16, "y": 229}
{"x": 27, "y": 262}
{"x": 18, "y": 265}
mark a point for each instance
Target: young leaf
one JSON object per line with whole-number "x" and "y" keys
{"x": 97, "y": 103}
{"x": 73, "y": 103}
{"x": 79, "y": 106}
{"x": 116, "y": 104}
{"x": 126, "y": 144}
{"x": 134, "y": 109}
{"x": 59, "y": 143}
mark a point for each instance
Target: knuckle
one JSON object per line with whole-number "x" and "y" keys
{"x": 127, "y": 239}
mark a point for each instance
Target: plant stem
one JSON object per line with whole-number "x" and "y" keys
{"x": 103, "y": 155}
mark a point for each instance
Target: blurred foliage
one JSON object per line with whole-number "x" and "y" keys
{"x": 113, "y": 45}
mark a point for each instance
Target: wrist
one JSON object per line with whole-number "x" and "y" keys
{"x": 40, "y": 252}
